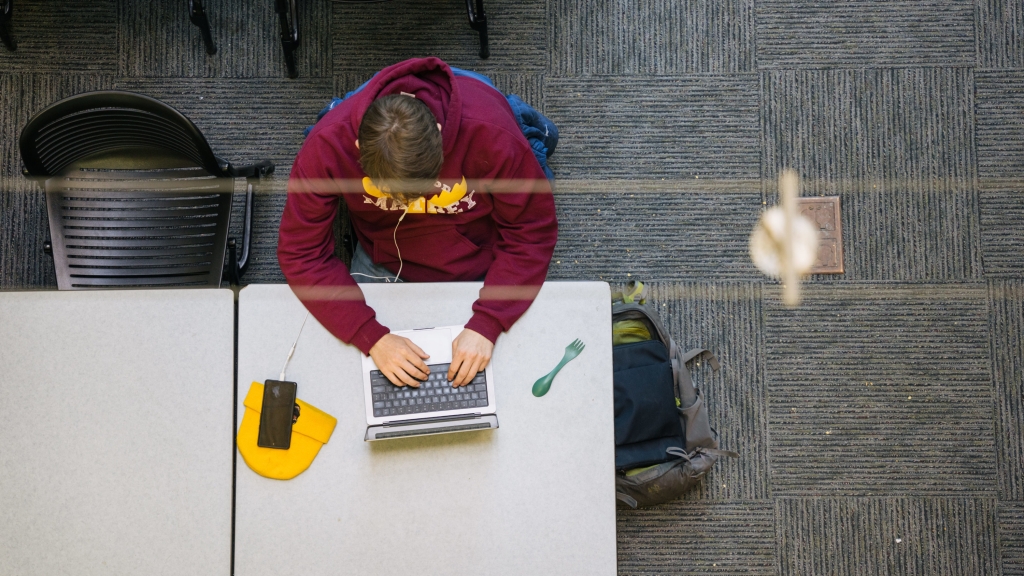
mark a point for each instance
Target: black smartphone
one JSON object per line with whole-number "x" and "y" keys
{"x": 278, "y": 414}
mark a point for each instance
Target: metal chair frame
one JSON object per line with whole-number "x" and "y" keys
{"x": 288, "y": 15}
{"x": 6, "y": 13}
{"x": 198, "y": 17}
{"x": 135, "y": 196}
{"x": 478, "y": 22}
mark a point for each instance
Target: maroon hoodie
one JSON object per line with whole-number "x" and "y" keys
{"x": 464, "y": 232}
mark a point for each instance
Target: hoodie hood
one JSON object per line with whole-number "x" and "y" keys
{"x": 428, "y": 79}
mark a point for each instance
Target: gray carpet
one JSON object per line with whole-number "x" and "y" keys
{"x": 1000, "y": 105}
{"x": 1011, "y": 532}
{"x": 879, "y": 425}
{"x": 1006, "y": 324}
{"x": 880, "y": 389}
{"x": 896, "y": 145}
{"x": 907, "y": 536}
{"x": 883, "y": 33}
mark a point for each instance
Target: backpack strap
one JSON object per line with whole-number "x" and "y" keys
{"x": 686, "y": 391}
{"x": 627, "y": 500}
{"x": 718, "y": 452}
{"x": 701, "y": 353}
{"x": 679, "y": 453}
{"x": 700, "y": 450}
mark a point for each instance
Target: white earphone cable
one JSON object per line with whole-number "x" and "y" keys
{"x": 292, "y": 351}
{"x": 394, "y": 237}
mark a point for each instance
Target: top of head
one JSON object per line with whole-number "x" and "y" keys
{"x": 400, "y": 147}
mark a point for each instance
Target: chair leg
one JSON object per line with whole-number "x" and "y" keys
{"x": 198, "y": 17}
{"x": 287, "y": 13}
{"x": 478, "y": 22}
{"x": 6, "y": 11}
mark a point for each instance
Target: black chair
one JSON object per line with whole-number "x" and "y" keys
{"x": 135, "y": 196}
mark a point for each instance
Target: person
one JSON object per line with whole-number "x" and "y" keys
{"x": 441, "y": 184}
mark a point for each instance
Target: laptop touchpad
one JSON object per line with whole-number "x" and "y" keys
{"x": 437, "y": 342}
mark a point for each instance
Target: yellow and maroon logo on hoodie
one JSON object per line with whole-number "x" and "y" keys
{"x": 448, "y": 200}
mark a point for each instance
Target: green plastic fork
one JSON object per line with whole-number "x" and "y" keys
{"x": 541, "y": 386}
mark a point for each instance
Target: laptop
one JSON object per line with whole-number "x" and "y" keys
{"x": 433, "y": 408}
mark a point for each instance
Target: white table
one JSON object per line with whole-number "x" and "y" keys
{"x": 534, "y": 497}
{"x": 115, "y": 432}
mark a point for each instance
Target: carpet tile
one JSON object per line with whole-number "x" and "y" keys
{"x": 658, "y": 37}
{"x": 897, "y": 145}
{"x": 1000, "y": 33}
{"x": 67, "y": 36}
{"x": 1006, "y": 326}
{"x": 859, "y": 33}
{"x": 1000, "y": 127}
{"x": 677, "y": 128}
{"x": 611, "y": 230}
{"x": 1011, "y": 537}
{"x": 887, "y": 536}
{"x": 1000, "y": 134}
{"x": 1002, "y": 229}
{"x": 720, "y": 538}
{"x": 880, "y": 389}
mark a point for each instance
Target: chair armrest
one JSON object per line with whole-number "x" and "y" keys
{"x": 250, "y": 205}
{"x": 238, "y": 263}
{"x": 257, "y": 170}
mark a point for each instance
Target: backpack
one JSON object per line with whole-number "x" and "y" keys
{"x": 664, "y": 442}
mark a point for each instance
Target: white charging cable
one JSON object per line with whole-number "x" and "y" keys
{"x": 292, "y": 351}
{"x": 394, "y": 237}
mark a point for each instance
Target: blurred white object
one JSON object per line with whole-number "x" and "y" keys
{"x": 766, "y": 243}
{"x": 784, "y": 243}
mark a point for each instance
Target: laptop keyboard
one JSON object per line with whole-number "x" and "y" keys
{"x": 434, "y": 395}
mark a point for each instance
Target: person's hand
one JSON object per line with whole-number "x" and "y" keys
{"x": 400, "y": 360}
{"x": 470, "y": 354}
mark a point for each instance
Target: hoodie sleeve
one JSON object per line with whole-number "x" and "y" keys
{"x": 306, "y": 254}
{"x": 528, "y": 230}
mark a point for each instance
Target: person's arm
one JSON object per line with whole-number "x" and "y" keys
{"x": 323, "y": 283}
{"x": 527, "y": 232}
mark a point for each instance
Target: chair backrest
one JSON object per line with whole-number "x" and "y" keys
{"x": 93, "y": 123}
{"x": 138, "y": 229}
{"x": 135, "y": 196}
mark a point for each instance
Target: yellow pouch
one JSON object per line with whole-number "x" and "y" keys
{"x": 311, "y": 430}
{"x": 629, "y": 331}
